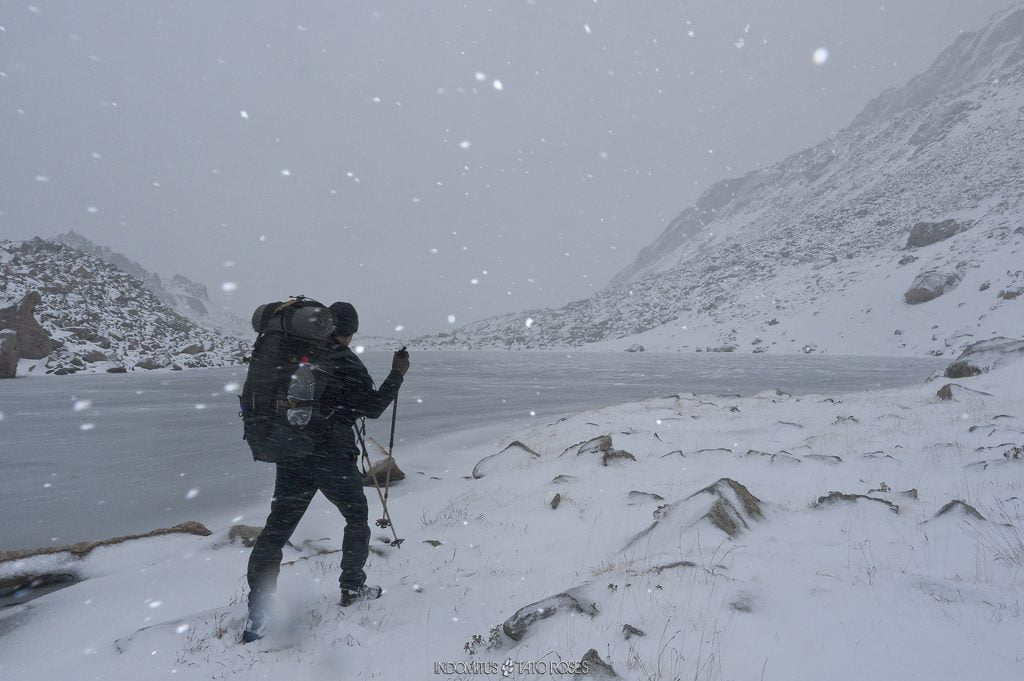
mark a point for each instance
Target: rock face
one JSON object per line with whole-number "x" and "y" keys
{"x": 8, "y": 353}
{"x": 928, "y": 233}
{"x": 930, "y": 285}
{"x": 33, "y": 341}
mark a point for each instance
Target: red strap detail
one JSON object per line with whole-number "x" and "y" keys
{"x": 305, "y": 359}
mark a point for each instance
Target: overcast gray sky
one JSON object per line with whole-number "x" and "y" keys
{"x": 420, "y": 159}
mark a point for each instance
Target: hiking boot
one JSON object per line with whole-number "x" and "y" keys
{"x": 363, "y": 593}
{"x": 257, "y": 625}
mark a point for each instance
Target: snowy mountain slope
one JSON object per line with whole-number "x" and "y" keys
{"x": 848, "y": 536}
{"x": 792, "y": 256}
{"x": 186, "y": 297}
{"x": 103, "y": 318}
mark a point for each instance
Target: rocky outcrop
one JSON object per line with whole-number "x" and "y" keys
{"x": 984, "y": 356}
{"x": 836, "y": 498}
{"x": 928, "y": 233}
{"x": 8, "y": 353}
{"x": 33, "y": 341}
{"x": 517, "y": 626}
{"x": 89, "y": 316}
{"x": 601, "y": 445}
{"x": 514, "y": 455}
{"x": 930, "y": 285}
{"x": 727, "y": 505}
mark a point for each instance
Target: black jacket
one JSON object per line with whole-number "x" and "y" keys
{"x": 349, "y": 395}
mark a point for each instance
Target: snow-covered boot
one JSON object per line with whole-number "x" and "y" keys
{"x": 363, "y": 593}
{"x": 258, "y": 623}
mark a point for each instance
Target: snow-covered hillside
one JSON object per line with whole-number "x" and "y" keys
{"x": 815, "y": 252}
{"x": 101, "y": 318}
{"x": 181, "y": 294}
{"x": 777, "y": 537}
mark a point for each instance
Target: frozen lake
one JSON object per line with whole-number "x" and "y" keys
{"x": 153, "y": 449}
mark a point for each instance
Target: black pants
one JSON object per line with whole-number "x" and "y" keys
{"x": 337, "y": 476}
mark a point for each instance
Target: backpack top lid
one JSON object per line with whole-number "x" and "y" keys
{"x": 299, "y": 316}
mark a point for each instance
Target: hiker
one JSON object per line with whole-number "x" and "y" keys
{"x": 330, "y": 467}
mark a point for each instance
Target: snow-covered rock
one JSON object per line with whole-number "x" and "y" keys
{"x": 930, "y": 285}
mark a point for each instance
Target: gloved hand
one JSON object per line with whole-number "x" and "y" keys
{"x": 400, "y": 362}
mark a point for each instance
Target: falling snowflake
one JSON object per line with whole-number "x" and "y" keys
{"x": 474, "y": 281}
{"x": 92, "y": 209}
{"x": 182, "y": 629}
{"x": 529, "y": 322}
{"x": 360, "y": 349}
{"x": 244, "y": 114}
{"x": 231, "y": 387}
{"x": 820, "y": 56}
{"x": 42, "y": 178}
{"x": 498, "y": 85}
{"x": 399, "y": 327}
{"x": 451, "y": 319}
{"x": 200, "y": 406}
{"x": 465, "y": 144}
{"x": 192, "y": 493}
{"x": 480, "y": 76}
{"x": 586, "y": 27}
{"x": 87, "y": 426}
{"x": 229, "y": 286}
{"x": 82, "y": 405}
{"x": 286, "y": 173}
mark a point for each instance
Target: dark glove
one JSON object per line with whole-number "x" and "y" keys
{"x": 400, "y": 363}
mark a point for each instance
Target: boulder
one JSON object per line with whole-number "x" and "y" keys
{"x": 928, "y": 233}
{"x": 931, "y": 284}
{"x": 635, "y": 347}
{"x": 380, "y": 470}
{"x": 983, "y": 356}
{"x": 158, "y": 361}
{"x": 33, "y": 341}
{"x": 193, "y": 349}
{"x": 95, "y": 356}
{"x": 246, "y": 534}
{"x": 8, "y": 353}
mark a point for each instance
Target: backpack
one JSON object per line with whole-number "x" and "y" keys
{"x": 280, "y": 398}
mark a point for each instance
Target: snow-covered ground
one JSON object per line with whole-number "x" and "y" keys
{"x": 778, "y": 585}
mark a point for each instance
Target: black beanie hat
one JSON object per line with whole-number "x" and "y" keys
{"x": 346, "y": 319}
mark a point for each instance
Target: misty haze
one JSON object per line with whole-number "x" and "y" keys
{"x": 517, "y": 339}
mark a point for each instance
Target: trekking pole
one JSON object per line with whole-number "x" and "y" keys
{"x": 391, "y": 448}
{"x": 385, "y": 521}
